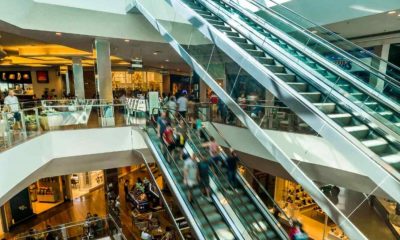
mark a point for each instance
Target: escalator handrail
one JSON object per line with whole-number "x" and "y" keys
{"x": 329, "y": 44}
{"x": 179, "y": 170}
{"x": 337, "y": 215}
{"x": 389, "y": 102}
{"x": 181, "y": 174}
{"x": 166, "y": 205}
{"x": 247, "y": 169}
{"x": 362, "y": 148}
{"x": 220, "y": 173}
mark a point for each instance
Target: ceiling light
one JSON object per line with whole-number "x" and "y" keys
{"x": 392, "y": 12}
{"x": 314, "y": 31}
{"x": 127, "y": 40}
{"x": 162, "y": 66}
{"x": 156, "y": 52}
{"x": 58, "y": 33}
{"x": 167, "y": 60}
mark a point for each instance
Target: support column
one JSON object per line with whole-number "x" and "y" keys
{"x": 103, "y": 70}
{"x": 79, "y": 84}
{"x": 383, "y": 52}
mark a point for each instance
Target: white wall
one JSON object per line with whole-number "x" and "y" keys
{"x": 112, "y": 6}
{"x": 21, "y": 161}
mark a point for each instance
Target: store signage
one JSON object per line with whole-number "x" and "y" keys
{"x": 20, "y": 206}
{"x": 15, "y": 76}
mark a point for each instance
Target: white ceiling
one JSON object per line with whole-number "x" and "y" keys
{"x": 119, "y": 47}
{"x": 368, "y": 25}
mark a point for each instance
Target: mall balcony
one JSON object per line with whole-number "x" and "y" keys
{"x": 199, "y": 119}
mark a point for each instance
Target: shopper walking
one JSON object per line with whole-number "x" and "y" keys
{"x": 162, "y": 124}
{"x": 204, "y": 176}
{"x": 190, "y": 174}
{"x": 168, "y": 138}
{"x": 171, "y": 105}
{"x": 296, "y": 232}
{"x": 126, "y": 188}
{"x": 182, "y": 104}
{"x": 12, "y": 103}
{"x": 214, "y": 150}
{"x": 232, "y": 162}
{"x": 213, "y": 102}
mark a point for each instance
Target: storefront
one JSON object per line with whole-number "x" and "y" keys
{"x": 297, "y": 204}
{"x": 138, "y": 81}
{"x": 46, "y": 194}
{"x": 83, "y": 183}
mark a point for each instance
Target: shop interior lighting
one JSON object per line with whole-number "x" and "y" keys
{"x": 156, "y": 52}
{"x": 126, "y": 40}
{"x": 58, "y": 33}
{"x": 167, "y": 60}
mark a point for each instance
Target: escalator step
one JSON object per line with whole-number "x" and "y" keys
{"x": 341, "y": 118}
{"x": 275, "y": 68}
{"x": 247, "y": 46}
{"x": 265, "y": 60}
{"x": 231, "y": 33}
{"x": 326, "y": 107}
{"x": 377, "y": 145}
{"x": 359, "y": 131}
{"x": 298, "y": 86}
{"x": 223, "y": 28}
{"x": 256, "y": 53}
{"x": 312, "y": 96}
{"x": 239, "y": 39}
{"x": 287, "y": 77}
{"x": 393, "y": 159}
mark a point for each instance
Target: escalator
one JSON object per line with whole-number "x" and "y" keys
{"x": 275, "y": 71}
{"x": 335, "y": 105}
{"x": 205, "y": 219}
{"x": 246, "y": 205}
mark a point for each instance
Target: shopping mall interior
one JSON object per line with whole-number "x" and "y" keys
{"x": 199, "y": 119}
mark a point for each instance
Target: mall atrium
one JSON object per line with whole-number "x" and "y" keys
{"x": 199, "y": 119}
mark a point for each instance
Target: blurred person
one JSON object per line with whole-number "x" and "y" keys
{"x": 214, "y": 150}
{"x": 190, "y": 174}
{"x": 12, "y": 103}
{"x": 182, "y": 104}
{"x": 171, "y": 106}
{"x": 204, "y": 177}
{"x": 296, "y": 231}
{"x": 232, "y": 162}
{"x": 162, "y": 124}
{"x": 213, "y": 103}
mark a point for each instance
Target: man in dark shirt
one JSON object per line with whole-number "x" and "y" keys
{"x": 232, "y": 161}
{"x": 204, "y": 172}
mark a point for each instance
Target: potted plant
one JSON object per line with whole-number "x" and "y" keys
{"x": 30, "y": 123}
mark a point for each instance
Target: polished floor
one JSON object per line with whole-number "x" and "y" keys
{"x": 93, "y": 202}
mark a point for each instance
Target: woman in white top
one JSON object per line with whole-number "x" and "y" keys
{"x": 171, "y": 105}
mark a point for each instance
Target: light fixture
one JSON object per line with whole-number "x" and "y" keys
{"x": 58, "y": 33}
{"x": 167, "y": 60}
{"x": 156, "y": 52}
{"x": 162, "y": 66}
{"x": 391, "y": 12}
{"x": 127, "y": 40}
{"x": 314, "y": 31}
{"x": 398, "y": 15}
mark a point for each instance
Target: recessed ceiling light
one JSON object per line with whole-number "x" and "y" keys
{"x": 58, "y": 33}
{"x": 314, "y": 31}
{"x": 126, "y": 40}
{"x": 392, "y": 12}
{"x": 162, "y": 66}
{"x": 156, "y": 52}
{"x": 167, "y": 60}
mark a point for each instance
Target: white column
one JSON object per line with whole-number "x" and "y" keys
{"x": 79, "y": 84}
{"x": 103, "y": 67}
